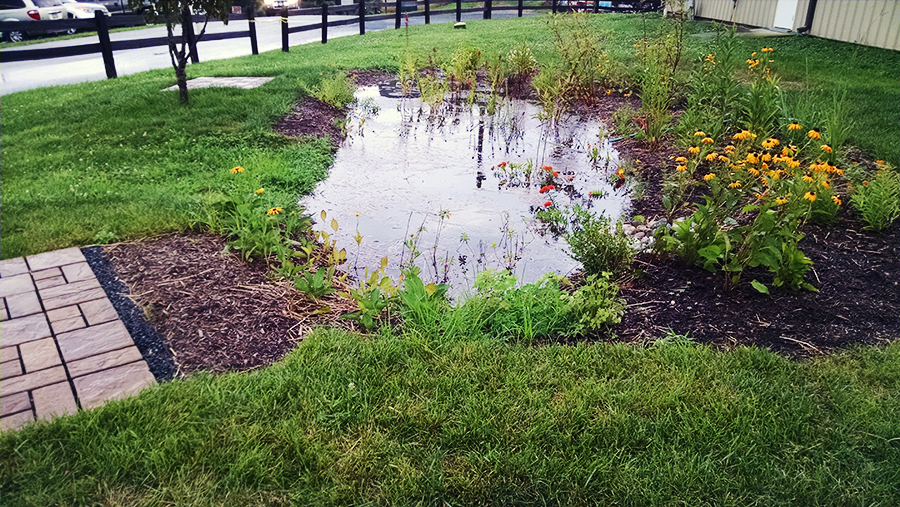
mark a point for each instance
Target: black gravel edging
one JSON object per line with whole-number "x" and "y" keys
{"x": 159, "y": 358}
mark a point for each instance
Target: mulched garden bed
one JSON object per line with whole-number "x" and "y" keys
{"x": 219, "y": 313}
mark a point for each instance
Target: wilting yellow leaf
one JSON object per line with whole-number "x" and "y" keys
{"x": 334, "y": 225}
{"x": 323, "y": 215}
{"x": 384, "y": 263}
{"x": 430, "y": 289}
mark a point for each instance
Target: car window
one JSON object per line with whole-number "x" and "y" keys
{"x": 12, "y": 4}
{"x": 47, "y": 3}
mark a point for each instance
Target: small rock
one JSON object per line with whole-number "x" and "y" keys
{"x": 628, "y": 229}
{"x": 639, "y": 235}
{"x": 461, "y": 24}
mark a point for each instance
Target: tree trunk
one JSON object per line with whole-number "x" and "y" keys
{"x": 181, "y": 76}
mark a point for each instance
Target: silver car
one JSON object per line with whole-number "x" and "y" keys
{"x": 27, "y": 11}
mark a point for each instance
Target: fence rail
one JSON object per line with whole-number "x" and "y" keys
{"x": 102, "y": 24}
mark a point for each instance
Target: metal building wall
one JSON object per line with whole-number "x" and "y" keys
{"x": 869, "y": 22}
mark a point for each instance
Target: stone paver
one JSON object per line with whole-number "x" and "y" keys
{"x": 31, "y": 381}
{"x": 76, "y": 272}
{"x": 23, "y": 304}
{"x": 62, "y": 344}
{"x": 54, "y": 400}
{"x": 103, "y": 361}
{"x": 46, "y": 273}
{"x": 39, "y": 354}
{"x": 15, "y": 421}
{"x": 14, "y": 403}
{"x": 25, "y": 329}
{"x": 98, "y": 311}
{"x": 71, "y": 293}
{"x": 9, "y": 354}
{"x": 120, "y": 382}
{"x": 10, "y": 267}
{"x": 54, "y": 259}
{"x": 10, "y": 369}
{"x": 94, "y": 340}
{"x": 244, "y": 82}
{"x": 16, "y": 284}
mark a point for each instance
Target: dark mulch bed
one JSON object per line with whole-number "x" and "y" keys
{"x": 219, "y": 313}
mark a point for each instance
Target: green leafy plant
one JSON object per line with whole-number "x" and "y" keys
{"x": 337, "y": 90}
{"x": 421, "y": 305}
{"x": 599, "y": 248}
{"x": 316, "y": 284}
{"x": 878, "y": 200}
{"x": 371, "y": 304}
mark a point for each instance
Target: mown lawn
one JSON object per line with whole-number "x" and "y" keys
{"x": 403, "y": 420}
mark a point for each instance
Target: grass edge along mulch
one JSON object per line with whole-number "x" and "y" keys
{"x": 349, "y": 420}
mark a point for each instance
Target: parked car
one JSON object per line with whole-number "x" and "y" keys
{"x": 27, "y": 11}
{"x": 273, "y": 7}
{"x": 83, "y": 10}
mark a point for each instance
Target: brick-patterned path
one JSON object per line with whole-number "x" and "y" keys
{"x": 62, "y": 345}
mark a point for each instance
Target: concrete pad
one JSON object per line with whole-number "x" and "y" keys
{"x": 53, "y": 281}
{"x": 24, "y": 329}
{"x": 246, "y": 83}
{"x": 55, "y": 258}
{"x": 54, "y": 400}
{"x": 77, "y": 272}
{"x": 9, "y": 354}
{"x": 71, "y": 293}
{"x": 46, "y": 273}
{"x": 39, "y": 354}
{"x": 10, "y": 369}
{"x": 98, "y": 311}
{"x": 94, "y": 340}
{"x": 97, "y": 388}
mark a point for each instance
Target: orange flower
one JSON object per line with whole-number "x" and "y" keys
{"x": 555, "y": 174}
{"x": 807, "y": 178}
{"x": 547, "y": 167}
{"x": 879, "y": 162}
{"x": 621, "y": 173}
{"x": 752, "y": 158}
{"x": 274, "y": 211}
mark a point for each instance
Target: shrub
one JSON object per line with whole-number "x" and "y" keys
{"x": 337, "y": 91}
{"x": 598, "y": 248}
{"x": 878, "y": 200}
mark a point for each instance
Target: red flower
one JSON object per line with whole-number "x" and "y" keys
{"x": 555, "y": 174}
{"x": 548, "y": 204}
{"x": 547, "y": 167}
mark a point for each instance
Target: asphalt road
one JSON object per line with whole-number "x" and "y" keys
{"x": 18, "y": 76}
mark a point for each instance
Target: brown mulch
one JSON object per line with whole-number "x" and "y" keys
{"x": 220, "y": 313}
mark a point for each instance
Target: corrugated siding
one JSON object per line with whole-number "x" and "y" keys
{"x": 869, "y": 22}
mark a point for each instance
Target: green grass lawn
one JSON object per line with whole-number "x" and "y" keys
{"x": 122, "y": 158}
{"x": 407, "y": 420}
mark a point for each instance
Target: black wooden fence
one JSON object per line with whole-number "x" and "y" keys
{"x": 102, "y": 24}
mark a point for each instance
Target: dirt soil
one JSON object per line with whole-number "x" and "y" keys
{"x": 219, "y": 313}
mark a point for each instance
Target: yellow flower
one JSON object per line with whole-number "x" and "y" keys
{"x": 238, "y": 169}
{"x": 274, "y": 211}
{"x": 810, "y": 196}
{"x": 752, "y": 158}
{"x": 699, "y": 133}
{"x": 807, "y": 178}
{"x": 260, "y": 190}
{"x": 723, "y": 158}
{"x": 753, "y": 171}
{"x": 764, "y": 166}
{"x": 681, "y": 160}
{"x": 681, "y": 168}
{"x": 729, "y": 148}
{"x": 736, "y": 184}
{"x": 766, "y": 157}
{"x": 836, "y": 200}
{"x": 795, "y": 126}
{"x": 826, "y": 184}
{"x": 707, "y": 140}
{"x": 826, "y": 148}
{"x": 770, "y": 143}
{"x": 793, "y": 164}
{"x": 712, "y": 156}
{"x": 814, "y": 134}
{"x": 694, "y": 149}
{"x": 709, "y": 176}
{"x": 781, "y": 201}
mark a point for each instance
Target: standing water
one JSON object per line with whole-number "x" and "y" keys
{"x": 458, "y": 192}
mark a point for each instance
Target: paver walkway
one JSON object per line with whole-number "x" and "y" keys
{"x": 62, "y": 345}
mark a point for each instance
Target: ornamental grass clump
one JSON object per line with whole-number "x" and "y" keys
{"x": 878, "y": 200}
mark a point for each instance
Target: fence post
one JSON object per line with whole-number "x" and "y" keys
{"x": 397, "y": 15}
{"x": 362, "y": 17}
{"x": 427, "y": 13}
{"x": 521, "y": 6}
{"x": 284, "y": 30}
{"x": 187, "y": 29}
{"x": 554, "y": 5}
{"x": 488, "y": 4}
{"x": 458, "y": 11}
{"x": 596, "y": 6}
{"x": 324, "y": 23}
{"x": 105, "y": 44}
{"x": 251, "y": 20}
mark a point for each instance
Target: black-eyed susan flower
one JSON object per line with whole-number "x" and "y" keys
{"x": 814, "y": 134}
{"x": 781, "y": 201}
{"x": 274, "y": 211}
{"x": 729, "y": 148}
{"x": 712, "y": 156}
{"x": 694, "y": 149}
{"x": 709, "y": 176}
{"x": 810, "y": 196}
{"x": 766, "y": 157}
{"x": 826, "y": 148}
{"x": 807, "y": 178}
{"x": 700, "y": 133}
{"x": 708, "y": 140}
{"x": 752, "y": 158}
{"x": 753, "y": 171}
{"x": 836, "y": 200}
{"x": 826, "y": 184}
{"x": 735, "y": 184}
{"x": 681, "y": 160}
{"x": 681, "y": 168}
{"x": 260, "y": 190}
{"x": 795, "y": 126}
{"x": 723, "y": 158}
{"x": 238, "y": 169}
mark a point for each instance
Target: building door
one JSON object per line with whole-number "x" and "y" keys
{"x": 784, "y": 14}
